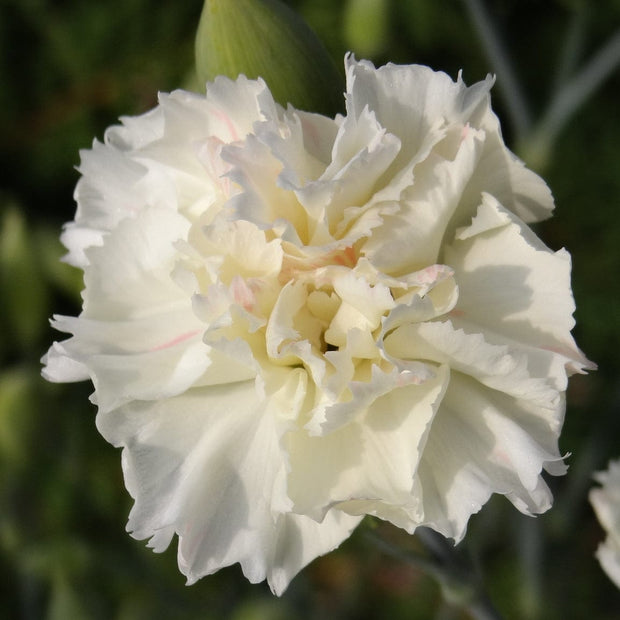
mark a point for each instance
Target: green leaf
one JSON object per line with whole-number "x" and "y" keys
{"x": 66, "y": 601}
{"x": 22, "y": 287}
{"x": 16, "y": 416}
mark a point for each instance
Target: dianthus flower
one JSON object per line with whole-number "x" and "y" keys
{"x": 292, "y": 321}
{"x": 606, "y": 502}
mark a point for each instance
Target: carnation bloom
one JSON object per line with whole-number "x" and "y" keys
{"x": 292, "y": 321}
{"x": 606, "y": 503}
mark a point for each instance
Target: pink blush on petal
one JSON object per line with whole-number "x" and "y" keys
{"x": 175, "y": 341}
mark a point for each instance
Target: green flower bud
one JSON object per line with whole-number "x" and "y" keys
{"x": 264, "y": 38}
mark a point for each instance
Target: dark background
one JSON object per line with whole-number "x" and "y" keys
{"x": 68, "y": 69}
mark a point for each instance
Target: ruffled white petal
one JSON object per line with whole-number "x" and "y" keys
{"x": 515, "y": 290}
{"x": 497, "y": 367}
{"x": 120, "y": 374}
{"x": 368, "y": 466}
{"x": 477, "y": 447}
{"x": 138, "y": 335}
{"x": 301, "y": 539}
{"x": 410, "y": 239}
{"x": 60, "y": 366}
{"x": 208, "y": 466}
{"x": 409, "y": 100}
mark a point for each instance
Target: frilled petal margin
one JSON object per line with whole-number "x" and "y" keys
{"x": 221, "y": 491}
{"x": 481, "y": 443}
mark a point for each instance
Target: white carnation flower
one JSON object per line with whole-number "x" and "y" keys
{"x": 293, "y": 321}
{"x": 606, "y": 503}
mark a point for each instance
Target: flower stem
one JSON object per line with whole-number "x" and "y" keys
{"x": 460, "y": 584}
{"x": 575, "y": 92}
{"x": 507, "y": 81}
{"x": 571, "y": 49}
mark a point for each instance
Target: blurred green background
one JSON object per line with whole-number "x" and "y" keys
{"x": 68, "y": 69}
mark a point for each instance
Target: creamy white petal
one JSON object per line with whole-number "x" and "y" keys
{"x": 304, "y": 146}
{"x": 361, "y": 391}
{"x": 522, "y": 295}
{"x": 407, "y": 100}
{"x": 263, "y": 201}
{"x": 106, "y": 193}
{"x": 372, "y": 459}
{"x": 208, "y": 466}
{"x": 497, "y": 367}
{"x": 206, "y": 463}
{"x": 411, "y": 239}
{"x": 301, "y": 539}
{"x": 132, "y": 360}
{"x": 239, "y": 249}
{"x": 60, "y": 367}
{"x": 362, "y": 307}
{"x": 477, "y": 447}
{"x": 129, "y": 276}
{"x": 504, "y": 175}
{"x": 135, "y": 132}
{"x": 362, "y": 152}
{"x": 292, "y": 334}
{"x": 138, "y": 335}
{"x": 228, "y": 112}
{"x": 608, "y": 554}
